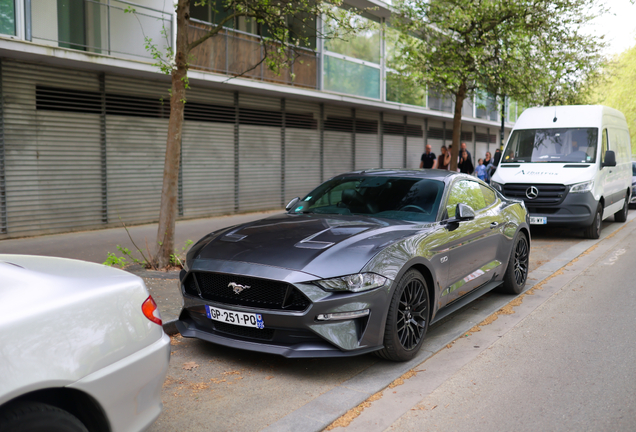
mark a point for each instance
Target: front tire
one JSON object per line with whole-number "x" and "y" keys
{"x": 38, "y": 417}
{"x": 594, "y": 230}
{"x": 621, "y": 215}
{"x": 517, "y": 272}
{"x": 407, "y": 320}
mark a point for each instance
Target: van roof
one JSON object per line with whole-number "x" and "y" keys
{"x": 569, "y": 116}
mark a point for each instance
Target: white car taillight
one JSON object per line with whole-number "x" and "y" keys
{"x": 150, "y": 310}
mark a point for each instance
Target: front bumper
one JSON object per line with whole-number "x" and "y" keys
{"x": 296, "y": 334}
{"x": 575, "y": 211}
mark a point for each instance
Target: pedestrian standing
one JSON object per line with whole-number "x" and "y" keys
{"x": 428, "y": 160}
{"x": 480, "y": 171}
{"x": 444, "y": 159}
{"x": 465, "y": 165}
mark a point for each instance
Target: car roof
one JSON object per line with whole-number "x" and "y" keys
{"x": 431, "y": 174}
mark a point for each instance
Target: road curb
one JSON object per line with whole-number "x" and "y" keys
{"x": 319, "y": 413}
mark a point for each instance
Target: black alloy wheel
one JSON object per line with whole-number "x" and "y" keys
{"x": 517, "y": 271}
{"x": 522, "y": 257}
{"x": 407, "y": 320}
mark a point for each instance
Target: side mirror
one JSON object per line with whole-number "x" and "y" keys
{"x": 610, "y": 159}
{"x": 292, "y": 203}
{"x": 464, "y": 212}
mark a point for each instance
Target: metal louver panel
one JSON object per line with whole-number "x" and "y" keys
{"x": 208, "y": 154}
{"x": 259, "y": 153}
{"x": 302, "y": 149}
{"x": 367, "y": 140}
{"x": 393, "y": 141}
{"x": 136, "y": 131}
{"x": 53, "y": 176}
{"x": 415, "y": 144}
{"x": 338, "y": 148}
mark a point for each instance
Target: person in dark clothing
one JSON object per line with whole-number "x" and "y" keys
{"x": 429, "y": 160}
{"x": 487, "y": 159}
{"x": 465, "y": 165}
{"x": 444, "y": 159}
{"x": 462, "y": 148}
{"x": 493, "y": 166}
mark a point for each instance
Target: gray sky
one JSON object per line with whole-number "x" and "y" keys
{"x": 618, "y": 26}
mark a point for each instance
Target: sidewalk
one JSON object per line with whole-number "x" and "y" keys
{"x": 95, "y": 245}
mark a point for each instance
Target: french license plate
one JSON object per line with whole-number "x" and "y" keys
{"x": 237, "y": 318}
{"x": 535, "y": 220}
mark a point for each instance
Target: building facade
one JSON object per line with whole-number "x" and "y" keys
{"x": 84, "y": 116}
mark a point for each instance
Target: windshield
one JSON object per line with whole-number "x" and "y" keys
{"x": 552, "y": 145}
{"x": 386, "y": 197}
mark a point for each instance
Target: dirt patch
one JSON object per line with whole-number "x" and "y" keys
{"x": 350, "y": 415}
{"x": 400, "y": 380}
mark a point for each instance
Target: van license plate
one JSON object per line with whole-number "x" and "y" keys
{"x": 236, "y": 318}
{"x": 534, "y": 220}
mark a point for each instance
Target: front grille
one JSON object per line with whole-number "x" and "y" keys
{"x": 246, "y": 332}
{"x": 548, "y": 193}
{"x": 261, "y": 294}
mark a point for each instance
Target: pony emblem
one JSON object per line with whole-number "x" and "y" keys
{"x": 237, "y": 288}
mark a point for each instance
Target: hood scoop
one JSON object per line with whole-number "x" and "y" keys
{"x": 232, "y": 237}
{"x": 328, "y": 237}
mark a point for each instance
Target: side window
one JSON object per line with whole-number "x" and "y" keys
{"x": 489, "y": 195}
{"x": 467, "y": 192}
{"x": 604, "y": 145}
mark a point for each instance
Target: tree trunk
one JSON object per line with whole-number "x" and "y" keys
{"x": 168, "y": 209}
{"x": 457, "y": 125}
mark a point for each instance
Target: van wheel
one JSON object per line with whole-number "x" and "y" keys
{"x": 621, "y": 215}
{"x": 594, "y": 230}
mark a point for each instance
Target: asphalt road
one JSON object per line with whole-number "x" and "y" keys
{"x": 211, "y": 388}
{"x": 567, "y": 365}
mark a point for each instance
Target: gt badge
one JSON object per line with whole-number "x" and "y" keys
{"x": 444, "y": 259}
{"x": 237, "y": 288}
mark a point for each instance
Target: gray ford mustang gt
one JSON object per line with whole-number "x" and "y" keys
{"x": 365, "y": 262}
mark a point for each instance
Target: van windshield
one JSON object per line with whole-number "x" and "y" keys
{"x": 552, "y": 145}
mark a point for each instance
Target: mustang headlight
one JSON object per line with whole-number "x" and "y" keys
{"x": 496, "y": 186}
{"x": 582, "y": 187}
{"x": 354, "y": 283}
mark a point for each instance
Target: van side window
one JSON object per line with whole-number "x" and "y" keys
{"x": 604, "y": 145}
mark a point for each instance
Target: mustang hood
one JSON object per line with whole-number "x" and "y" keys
{"x": 321, "y": 245}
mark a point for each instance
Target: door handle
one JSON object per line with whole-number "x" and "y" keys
{"x": 494, "y": 225}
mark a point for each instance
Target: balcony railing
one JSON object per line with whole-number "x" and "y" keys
{"x": 113, "y": 27}
{"x": 232, "y": 52}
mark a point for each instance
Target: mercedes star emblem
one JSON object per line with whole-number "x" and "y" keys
{"x": 237, "y": 288}
{"x": 532, "y": 192}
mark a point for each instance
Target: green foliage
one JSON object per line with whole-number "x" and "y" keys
{"x": 114, "y": 260}
{"x": 618, "y": 88}
{"x": 531, "y": 50}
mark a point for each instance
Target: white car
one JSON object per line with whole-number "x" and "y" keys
{"x": 81, "y": 347}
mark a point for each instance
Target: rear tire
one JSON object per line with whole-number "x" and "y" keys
{"x": 594, "y": 230}
{"x": 38, "y": 417}
{"x": 621, "y": 215}
{"x": 407, "y": 320}
{"x": 516, "y": 275}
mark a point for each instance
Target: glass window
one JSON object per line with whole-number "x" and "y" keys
{"x": 467, "y": 192}
{"x": 352, "y": 78}
{"x": 409, "y": 199}
{"x": 364, "y": 45}
{"x": 489, "y": 195}
{"x": 404, "y": 91}
{"x": 604, "y": 145}
{"x": 71, "y": 24}
{"x": 7, "y": 17}
{"x": 440, "y": 101}
{"x": 552, "y": 145}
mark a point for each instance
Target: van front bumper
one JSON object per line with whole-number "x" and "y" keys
{"x": 575, "y": 211}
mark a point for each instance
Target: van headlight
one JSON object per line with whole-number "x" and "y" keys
{"x": 582, "y": 187}
{"x": 496, "y": 186}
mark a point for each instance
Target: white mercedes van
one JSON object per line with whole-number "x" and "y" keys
{"x": 571, "y": 165}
